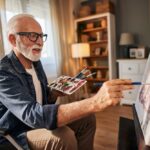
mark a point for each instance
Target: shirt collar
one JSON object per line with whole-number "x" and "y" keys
{"x": 16, "y": 63}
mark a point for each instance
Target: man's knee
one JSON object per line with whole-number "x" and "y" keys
{"x": 92, "y": 124}
{"x": 89, "y": 124}
{"x": 67, "y": 138}
{"x": 84, "y": 129}
{"x": 55, "y": 139}
{"x": 92, "y": 119}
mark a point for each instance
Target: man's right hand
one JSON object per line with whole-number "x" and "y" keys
{"x": 111, "y": 93}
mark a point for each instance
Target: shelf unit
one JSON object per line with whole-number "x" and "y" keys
{"x": 99, "y": 31}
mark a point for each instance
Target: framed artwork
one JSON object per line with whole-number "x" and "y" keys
{"x": 132, "y": 52}
{"x": 142, "y": 104}
{"x": 140, "y": 53}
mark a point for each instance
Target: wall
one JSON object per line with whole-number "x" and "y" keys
{"x": 133, "y": 16}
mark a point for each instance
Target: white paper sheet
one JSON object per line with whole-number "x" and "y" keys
{"x": 142, "y": 104}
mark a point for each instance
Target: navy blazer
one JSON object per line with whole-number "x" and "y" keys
{"x": 19, "y": 110}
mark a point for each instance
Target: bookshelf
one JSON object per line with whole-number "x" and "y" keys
{"x": 99, "y": 32}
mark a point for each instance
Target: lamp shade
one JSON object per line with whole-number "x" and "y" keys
{"x": 126, "y": 39}
{"x": 80, "y": 50}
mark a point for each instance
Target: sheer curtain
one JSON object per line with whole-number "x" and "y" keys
{"x": 43, "y": 11}
{"x": 66, "y": 21}
{"x": 67, "y": 31}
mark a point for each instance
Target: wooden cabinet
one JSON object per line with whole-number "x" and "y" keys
{"x": 99, "y": 31}
{"x": 131, "y": 69}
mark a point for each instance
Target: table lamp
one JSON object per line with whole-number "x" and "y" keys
{"x": 126, "y": 40}
{"x": 80, "y": 50}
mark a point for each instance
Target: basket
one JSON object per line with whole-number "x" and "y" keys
{"x": 84, "y": 11}
{"x": 104, "y": 6}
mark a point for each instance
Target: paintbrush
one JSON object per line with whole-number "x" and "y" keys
{"x": 133, "y": 83}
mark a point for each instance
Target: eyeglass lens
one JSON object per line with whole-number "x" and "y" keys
{"x": 33, "y": 36}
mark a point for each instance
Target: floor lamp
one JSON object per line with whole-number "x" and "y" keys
{"x": 80, "y": 50}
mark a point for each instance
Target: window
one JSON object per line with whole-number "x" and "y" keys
{"x": 41, "y": 11}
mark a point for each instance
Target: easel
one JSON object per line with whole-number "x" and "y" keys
{"x": 130, "y": 136}
{"x": 139, "y": 135}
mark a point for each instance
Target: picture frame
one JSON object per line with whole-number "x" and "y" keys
{"x": 132, "y": 52}
{"x": 140, "y": 53}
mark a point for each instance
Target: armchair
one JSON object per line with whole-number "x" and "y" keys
{"x": 13, "y": 144}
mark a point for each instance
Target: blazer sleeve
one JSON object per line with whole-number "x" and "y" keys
{"x": 16, "y": 98}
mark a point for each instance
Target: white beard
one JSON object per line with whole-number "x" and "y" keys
{"x": 27, "y": 51}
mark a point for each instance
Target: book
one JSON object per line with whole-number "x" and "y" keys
{"x": 66, "y": 84}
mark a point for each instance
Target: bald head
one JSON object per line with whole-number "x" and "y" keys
{"x": 22, "y": 23}
{"x": 26, "y": 37}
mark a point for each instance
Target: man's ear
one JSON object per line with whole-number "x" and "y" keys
{"x": 12, "y": 39}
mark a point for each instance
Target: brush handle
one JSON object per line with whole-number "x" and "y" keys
{"x": 133, "y": 83}
{"x": 136, "y": 83}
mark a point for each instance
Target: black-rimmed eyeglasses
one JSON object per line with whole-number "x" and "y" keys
{"x": 33, "y": 36}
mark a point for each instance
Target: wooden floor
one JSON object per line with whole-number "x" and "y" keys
{"x": 106, "y": 137}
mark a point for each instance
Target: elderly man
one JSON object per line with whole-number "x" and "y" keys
{"x": 27, "y": 106}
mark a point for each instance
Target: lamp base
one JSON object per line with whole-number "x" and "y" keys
{"x": 124, "y": 52}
